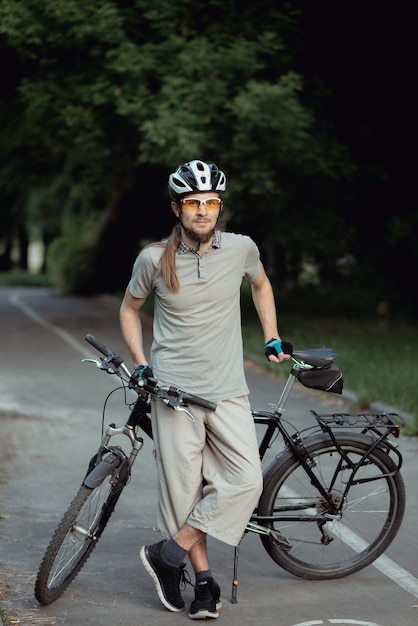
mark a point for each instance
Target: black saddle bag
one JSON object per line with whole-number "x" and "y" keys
{"x": 326, "y": 379}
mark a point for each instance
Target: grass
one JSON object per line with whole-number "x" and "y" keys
{"x": 378, "y": 362}
{"x": 20, "y": 278}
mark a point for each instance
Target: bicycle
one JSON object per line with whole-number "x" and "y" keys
{"x": 333, "y": 498}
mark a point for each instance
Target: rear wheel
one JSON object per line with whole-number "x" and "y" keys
{"x": 75, "y": 538}
{"x": 369, "y": 515}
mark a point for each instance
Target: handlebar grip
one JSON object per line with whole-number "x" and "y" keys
{"x": 205, "y": 404}
{"x": 101, "y": 347}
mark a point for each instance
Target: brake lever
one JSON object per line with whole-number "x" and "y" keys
{"x": 176, "y": 406}
{"x": 97, "y": 363}
{"x": 102, "y": 365}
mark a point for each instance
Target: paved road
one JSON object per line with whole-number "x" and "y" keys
{"x": 50, "y": 418}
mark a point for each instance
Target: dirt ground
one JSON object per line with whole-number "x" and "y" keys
{"x": 9, "y": 592}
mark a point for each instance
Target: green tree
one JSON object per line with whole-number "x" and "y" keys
{"x": 112, "y": 95}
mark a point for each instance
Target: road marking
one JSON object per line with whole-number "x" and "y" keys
{"x": 386, "y": 566}
{"x": 337, "y": 621}
{"x": 78, "y": 347}
{"x": 351, "y": 621}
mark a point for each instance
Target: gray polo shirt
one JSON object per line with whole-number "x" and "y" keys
{"x": 197, "y": 341}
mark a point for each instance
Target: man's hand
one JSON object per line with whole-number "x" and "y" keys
{"x": 140, "y": 373}
{"x": 143, "y": 371}
{"x": 277, "y": 350}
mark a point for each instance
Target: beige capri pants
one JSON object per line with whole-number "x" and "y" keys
{"x": 209, "y": 470}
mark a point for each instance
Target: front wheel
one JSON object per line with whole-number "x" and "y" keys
{"x": 75, "y": 538}
{"x": 369, "y": 514}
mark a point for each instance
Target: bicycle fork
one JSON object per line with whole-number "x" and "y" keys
{"x": 112, "y": 460}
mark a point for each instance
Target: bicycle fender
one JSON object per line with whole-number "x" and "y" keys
{"x": 287, "y": 453}
{"x": 106, "y": 467}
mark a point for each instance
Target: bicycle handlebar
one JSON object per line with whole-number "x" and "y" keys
{"x": 150, "y": 385}
{"x": 99, "y": 345}
{"x": 189, "y": 397}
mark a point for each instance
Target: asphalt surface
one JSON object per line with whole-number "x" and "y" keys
{"x": 50, "y": 424}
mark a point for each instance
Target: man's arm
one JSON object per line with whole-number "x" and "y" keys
{"x": 132, "y": 328}
{"x": 264, "y": 303}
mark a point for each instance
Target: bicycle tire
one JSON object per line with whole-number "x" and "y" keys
{"x": 371, "y": 514}
{"x": 75, "y": 538}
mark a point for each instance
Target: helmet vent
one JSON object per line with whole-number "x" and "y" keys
{"x": 179, "y": 182}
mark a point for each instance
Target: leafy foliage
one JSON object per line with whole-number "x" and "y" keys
{"x": 73, "y": 262}
{"x": 101, "y": 99}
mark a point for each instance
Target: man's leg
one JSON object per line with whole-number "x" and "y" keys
{"x": 198, "y": 554}
{"x": 228, "y": 447}
{"x": 232, "y": 473}
{"x": 207, "y": 592}
{"x": 178, "y": 443}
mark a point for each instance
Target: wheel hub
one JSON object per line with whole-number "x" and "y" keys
{"x": 323, "y": 505}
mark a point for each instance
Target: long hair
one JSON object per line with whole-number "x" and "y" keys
{"x": 167, "y": 263}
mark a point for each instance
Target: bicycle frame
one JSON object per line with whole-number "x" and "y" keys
{"x": 272, "y": 422}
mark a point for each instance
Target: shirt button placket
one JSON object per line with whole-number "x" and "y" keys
{"x": 201, "y": 268}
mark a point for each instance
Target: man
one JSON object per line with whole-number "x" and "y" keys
{"x": 209, "y": 469}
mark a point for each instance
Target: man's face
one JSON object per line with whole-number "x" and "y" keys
{"x": 198, "y": 214}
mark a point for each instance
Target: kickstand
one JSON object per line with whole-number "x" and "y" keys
{"x": 235, "y": 579}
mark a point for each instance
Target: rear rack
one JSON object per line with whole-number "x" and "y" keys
{"x": 391, "y": 421}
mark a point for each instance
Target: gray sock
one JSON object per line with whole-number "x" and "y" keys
{"x": 203, "y": 576}
{"x": 173, "y": 553}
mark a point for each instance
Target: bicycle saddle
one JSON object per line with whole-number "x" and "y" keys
{"x": 318, "y": 357}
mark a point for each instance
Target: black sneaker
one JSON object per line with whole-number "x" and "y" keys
{"x": 166, "y": 577}
{"x": 206, "y": 601}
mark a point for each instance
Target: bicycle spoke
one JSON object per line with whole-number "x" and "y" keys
{"x": 325, "y": 546}
{"x": 74, "y": 539}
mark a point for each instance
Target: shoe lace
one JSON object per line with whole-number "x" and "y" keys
{"x": 185, "y": 578}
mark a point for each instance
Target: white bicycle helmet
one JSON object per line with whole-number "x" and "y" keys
{"x": 196, "y": 176}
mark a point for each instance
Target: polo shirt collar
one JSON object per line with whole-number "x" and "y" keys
{"x": 216, "y": 243}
